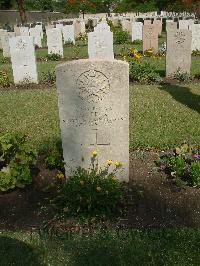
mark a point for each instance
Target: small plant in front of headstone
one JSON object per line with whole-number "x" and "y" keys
{"x": 162, "y": 50}
{"x": 181, "y": 164}
{"x": 83, "y": 38}
{"x": 120, "y": 36}
{"x": 143, "y": 71}
{"x": 91, "y": 194}
{"x": 4, "y": 79}
{"x": 137, "y": 42}
{"x": 54, "y": 57}
{"x": 182, "y": 76}
{"x": 16, "y": 160}
{"x": 49, "y": 77}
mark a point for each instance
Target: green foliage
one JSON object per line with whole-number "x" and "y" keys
{"x": 54, "y": 57}
{"x": 90, "y": 193}
{"x": 182, "y": 76}
{"x": 55, "y": 161}
{"x": 183, "y": 164}
{"x": 4, "y": 79}
{"x": 143, "y": 72}
{"x": 49, "y": 77}
{"x": 196, "y": 52}
{"x": 41, "y": 5}
{"x": 120, "y": 36}
{"x": 16, "y": 160}
{"x": 194, "y": 173}
{"x": 137, "y": 42}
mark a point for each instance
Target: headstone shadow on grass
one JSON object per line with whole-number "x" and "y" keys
{"x": 183, "y": 95}
{"x": 15, "y": 252}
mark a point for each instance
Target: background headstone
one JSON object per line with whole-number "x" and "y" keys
{"x": 54, "y": 41}
{"x": 35, "y": 32}
{"x": 23, "y": 60}
{"x": 195, "y": 28}
{"x": 94, "y": 113}
{"x": 24, "y": 31}
{"x": 68, "y": 33}
{"x": 150, "y": 38}
{"x": 178, "y": 56}
{"x": 5, "y": 43}
{"x": 100, "y": 42}
{"x": 137, "y": 28}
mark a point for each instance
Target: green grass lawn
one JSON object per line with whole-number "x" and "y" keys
{"x": 160, "y": 116}
{"x": 132, "y": 247}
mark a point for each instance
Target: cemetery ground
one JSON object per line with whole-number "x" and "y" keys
{"x": 162, "y": 116}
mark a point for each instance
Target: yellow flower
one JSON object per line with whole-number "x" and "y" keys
{"x": 114, "y": 178}
{"x": 137, "y": 56}
{"x": 82, "y": 183}
{"x": 118, "y": 164}
{"x": 109, "y": 162}
{"x": 60, "y": 176}
{"x": 98, "y": 189}
{"x": 94, "y": 154}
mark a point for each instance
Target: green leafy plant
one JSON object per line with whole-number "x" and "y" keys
{"x": 54, "y": 57}
{"x": 93, "y": 193}
{"x": 196, "y": 52}
{"x": 143, "y": 72}
{"x": 137, "y": 42}
{"x": 120, "y": 36}
{"x": 49, "y": 77}
{"x": 194, "y": 173}
{"x": 55, "y": 162}
{"x": 182, "y": 76}
{"x": 16, "y": 160}
{"x": 182, "y": 163}
{"x": 4, "y": 79}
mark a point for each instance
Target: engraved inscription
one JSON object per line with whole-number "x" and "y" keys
{"x": 180, "y": 38}
{"x": 93, "y": 86}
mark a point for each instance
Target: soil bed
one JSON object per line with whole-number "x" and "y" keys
{"x": 154, "y": 201}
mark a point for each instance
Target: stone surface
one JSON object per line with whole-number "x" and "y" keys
{"x": 77, "y": 28}
{"x": 100, "y": 42}
{"x": 36, "y": 34}
{"x": 137, "y": 28}
{"x": 23, "y": 59}
{"x": 178, "y": 56}
{"x": 184, "y": 24}
{"x": 2, "y": 32}
{"x": 171, "y": 25}
{"x": 150, "y": 38}
{"x": 158, "y": 25}
{"x": 24, "y": 31}
{"x": 68, "y": 33}
{"x": 5, "y": 43}
{"x": 126, "y": 26}
{"x": 94, "y": 113}
{"x": 54, "y": 41}
{"x": 147, "y": 22}
{"x": 195, "y": 28}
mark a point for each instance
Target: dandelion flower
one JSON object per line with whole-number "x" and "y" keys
{"x": 109, "y": 162}
{"x": 94, "y": 154}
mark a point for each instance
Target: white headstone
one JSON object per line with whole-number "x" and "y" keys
{"x": 94, "y": 113}
{"x": 68, "y": 33}
{"x": 5, "y": 43}
{"x": 54, "y": 41}
{"x": 36, "y": 33}
{"x": 2, "y": 32}
{"x": 137, "y": 28}
{"x": 24, "y": 31}
{"x": 100, "y": 42}
{"x": 39, "y": 27}
{"x": 195, "y": 28}
{"x": 23, "y": 59}
{"x": 184, "y": 24}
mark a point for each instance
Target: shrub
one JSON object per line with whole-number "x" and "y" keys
{"x": 120, "y": 36}
{"x": 182, "y": 163}
{"x": 49, "y": 77}
{"x": 93, "y": 193}
{"x": 143, "y": 71}
{"x": 182, "y": 76}
{"x": 54, "y": 57}
{"x": 4, "y": 79}
{"x": 16, "y": 160}
{"x": 137, "y": 42}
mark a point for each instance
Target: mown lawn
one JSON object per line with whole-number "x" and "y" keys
{"x": 160, "y": 116}
{"x": 132, "y": 247}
